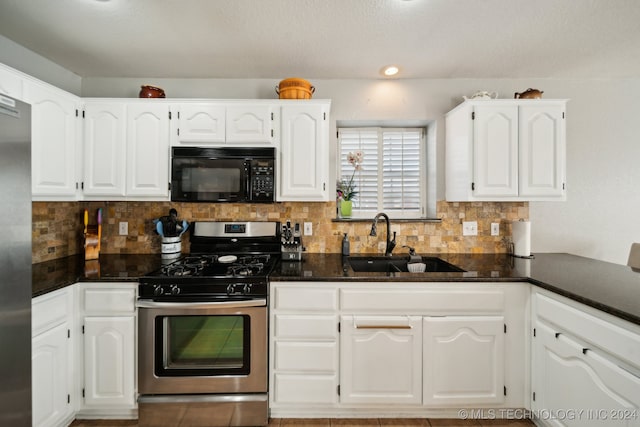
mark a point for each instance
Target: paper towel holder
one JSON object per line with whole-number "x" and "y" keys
{"x": 511, "y": 252}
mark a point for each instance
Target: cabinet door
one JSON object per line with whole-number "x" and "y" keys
{"x": 200, "y": 124}
{"x": 109, "y": 357}
{"x": 148, "y": 150}
{"x": 304, "y": 154}
{"x": 495, "y": 145}
{"x": 11, "y": 83}
{"x": 249, "y": 124}
{"x": 51, "y": 387}
{"x": 104, "y": 149}
{"x": 54, "y": 137}
{"x": 463, "y": 360}
{"x": 542, "y": 150}
{"x": 565, "y": 377}
{"x": 381, "y": 359}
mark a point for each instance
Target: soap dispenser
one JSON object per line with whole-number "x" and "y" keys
{"x": 345, "y": 245}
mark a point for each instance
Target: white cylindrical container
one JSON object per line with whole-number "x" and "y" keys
{"x": 521, "y": 234}
{"x": 171, "y": 247}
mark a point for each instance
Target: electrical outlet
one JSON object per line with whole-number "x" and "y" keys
{"x": 308, "y": 228}
{"x": 123, "y": 228}
{"x": 470, "y": 228}
{"x": 495, "y": 228}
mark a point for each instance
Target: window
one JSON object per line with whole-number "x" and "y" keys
{"x": 392, "y": 178}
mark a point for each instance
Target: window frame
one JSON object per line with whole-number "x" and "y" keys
{"x": 422, "y": 211}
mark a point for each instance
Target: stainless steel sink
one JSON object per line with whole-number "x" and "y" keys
{"x": 375, "y": 264}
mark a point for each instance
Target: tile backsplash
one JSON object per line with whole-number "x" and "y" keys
{"x": 57, "y": 226}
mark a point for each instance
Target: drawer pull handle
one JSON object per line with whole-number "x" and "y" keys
{"x": 383, "y": 327}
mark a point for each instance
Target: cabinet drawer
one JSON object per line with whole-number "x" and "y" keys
{"x": 50, "y": 310}
{"x": 618, "y": 341}
{"x": 427, "y": 301}
{"x": 305, "y": 327}
{"x": 305, "y": 389}
{"x": 305, "y": 298}
{"x": 108, "y": 300}
{"x": 306, "y": 356}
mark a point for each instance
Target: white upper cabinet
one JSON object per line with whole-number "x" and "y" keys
{"x": 495, "y": 157}
{"x": 303, "y": 163}
{"x": 198, "y": 124}
{"x": 542, "y": 150}
{"x": 11, "y": 83}
{"x": 221, "y": 123}
{"x": 249, "y": 124}
{"x": 54, "y": 142}
{"x": 506, "y": 150}
{"x": 104, "y": 149}
{"x": 147, "y": 149}
{"x": 126, "y": 150}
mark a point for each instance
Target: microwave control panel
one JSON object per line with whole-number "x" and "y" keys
{"x": 262, "y": 180}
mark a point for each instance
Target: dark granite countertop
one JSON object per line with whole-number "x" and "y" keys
{"x": 51, "y": 275}
{"x": 609, "y": 287}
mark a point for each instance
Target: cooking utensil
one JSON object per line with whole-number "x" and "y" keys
{"x": 86, "y": 220}
{"x": 159, "y": 227}
{"x": 99, "y": 227}
{"x": 182, "y": 227}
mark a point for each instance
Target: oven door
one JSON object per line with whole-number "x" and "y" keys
{"x": 204, "y": 179}
{"x": 202, "y": 347}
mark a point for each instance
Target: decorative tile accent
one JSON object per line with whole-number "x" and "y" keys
{"x": 57, "y": 226}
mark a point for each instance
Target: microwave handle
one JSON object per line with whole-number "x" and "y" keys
{"x": 247, "y": 190}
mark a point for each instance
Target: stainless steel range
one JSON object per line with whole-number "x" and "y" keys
{"x": 202, "y": 354}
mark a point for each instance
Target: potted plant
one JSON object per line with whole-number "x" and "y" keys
{"x": 346, "y": 190}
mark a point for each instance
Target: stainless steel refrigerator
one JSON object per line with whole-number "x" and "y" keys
{"x": 15, "y": 263}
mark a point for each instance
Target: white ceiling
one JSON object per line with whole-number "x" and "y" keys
{"x": 331, "y": 38}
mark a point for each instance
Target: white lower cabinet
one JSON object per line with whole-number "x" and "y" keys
{"x": 585, "y": 366}
{"x": 455, "y": 378}
{"x": 303, "y": 348}
{"x": 381, "y": 359}
{"x": 51, "y": 362}
{"x": 396, "y": 349}
{"x": 108, "y": 322}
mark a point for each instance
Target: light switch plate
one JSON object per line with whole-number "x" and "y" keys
{"x": 470, "y": 228}
{"x": 495, "y": 228}
{"x": 123, "y": 228}
{"x": 308, "y": 228}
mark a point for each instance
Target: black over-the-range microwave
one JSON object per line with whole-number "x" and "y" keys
{"x": 238, "y": 174}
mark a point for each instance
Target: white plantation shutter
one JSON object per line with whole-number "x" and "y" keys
{"x": 391, "y": 179}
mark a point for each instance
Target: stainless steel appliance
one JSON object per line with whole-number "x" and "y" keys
{"x": 201, "y": 174}
{"x": 202, "y": 354}
{"x": 15, "y": 263}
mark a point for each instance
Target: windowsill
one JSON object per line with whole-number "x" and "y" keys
{"x": 434, "y": 220}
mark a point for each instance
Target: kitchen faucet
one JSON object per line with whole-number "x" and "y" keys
{"x": 391, "y": 243}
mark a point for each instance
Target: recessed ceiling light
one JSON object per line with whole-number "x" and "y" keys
{"x": 390, "y": 70}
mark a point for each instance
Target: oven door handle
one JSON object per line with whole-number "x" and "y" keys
{"x": 229, "y": 304}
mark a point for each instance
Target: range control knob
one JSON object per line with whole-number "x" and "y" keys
{"x": 246, "y": 289}
{"x": 231, "y": 289}
{"x": 175, "y": 290}
{"x": 157, "y": 290}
